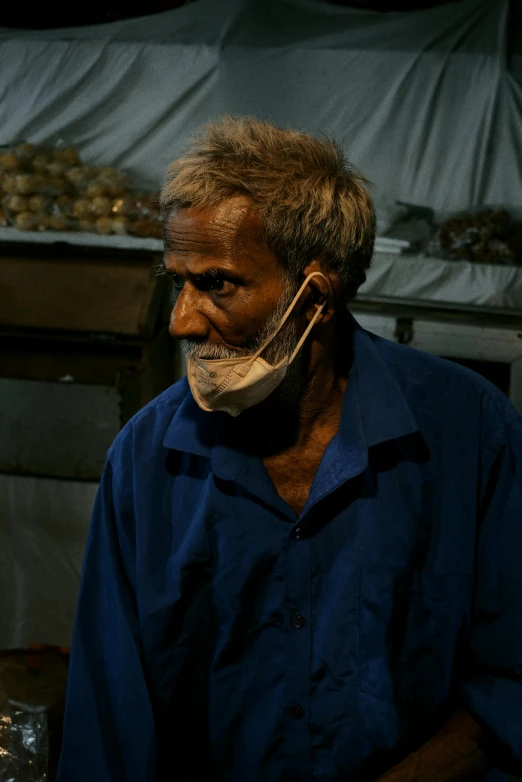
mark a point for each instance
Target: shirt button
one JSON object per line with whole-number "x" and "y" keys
{"x": 296, "y": 711}
{"x": 297, "y": 534}
{"x": 298, "y": 621}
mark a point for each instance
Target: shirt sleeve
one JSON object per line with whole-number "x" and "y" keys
{"x": 109, "y": 729}
{"x": 492, "y": 690}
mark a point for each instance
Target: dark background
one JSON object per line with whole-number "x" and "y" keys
{"x": 43, "y": 15}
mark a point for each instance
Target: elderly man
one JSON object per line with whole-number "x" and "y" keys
{"x": 304, "y": 559}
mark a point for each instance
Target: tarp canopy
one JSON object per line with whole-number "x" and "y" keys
{"x": 423, "y": 103}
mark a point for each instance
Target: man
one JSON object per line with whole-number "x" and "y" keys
{"x": 304, "y": 559}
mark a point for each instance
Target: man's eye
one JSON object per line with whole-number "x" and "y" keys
{"x": 211, "y": 282}
{"x": 177, "y": 282}
{"x": 214, "y": 283}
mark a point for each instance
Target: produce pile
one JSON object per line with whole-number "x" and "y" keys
{"x": 44, "y": 188}
{"x": 488, "y": 236}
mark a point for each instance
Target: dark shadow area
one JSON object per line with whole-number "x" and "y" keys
{"x": 496, "y": 372}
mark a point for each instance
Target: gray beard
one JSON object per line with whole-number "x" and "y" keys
{"x": 294, "y": 383}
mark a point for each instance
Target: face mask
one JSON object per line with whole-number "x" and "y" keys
{"x": 234, "y": 384}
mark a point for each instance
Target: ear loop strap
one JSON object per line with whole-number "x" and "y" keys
{"x": 307, "y": 332}
{"x": 287, "y": 315}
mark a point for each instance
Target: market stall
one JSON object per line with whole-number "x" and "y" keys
{"x": 427, "y": 105}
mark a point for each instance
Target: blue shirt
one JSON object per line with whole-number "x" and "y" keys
{"x": 221, "y": 637}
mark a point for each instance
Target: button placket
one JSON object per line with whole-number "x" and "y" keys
{"x": 297, "y": 577}
{"x": 296, "y": 711}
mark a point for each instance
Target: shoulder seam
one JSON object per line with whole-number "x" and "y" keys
{"x": 507, "y": 421}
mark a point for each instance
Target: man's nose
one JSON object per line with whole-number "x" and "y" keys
{"x": 186, "y": 321}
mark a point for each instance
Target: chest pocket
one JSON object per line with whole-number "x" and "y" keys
{"x": 413, "y": 629}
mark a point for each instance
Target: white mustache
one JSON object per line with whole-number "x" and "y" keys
{"x": 209, "y": 350}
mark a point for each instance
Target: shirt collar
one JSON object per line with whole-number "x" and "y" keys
{"x": 383, "y": 411}
{"x": 374, "y": 411}
{"x": 212, "y": 435}
{"x": 191, "y": 429}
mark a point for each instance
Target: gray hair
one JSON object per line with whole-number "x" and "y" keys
{"x": 313, "y": 204}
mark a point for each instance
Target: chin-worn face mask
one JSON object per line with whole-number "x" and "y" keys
{"x": 234, "y": 384}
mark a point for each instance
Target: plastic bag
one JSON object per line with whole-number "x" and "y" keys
{"x": 24, "y": 743}
{"x": 488, "y": 235}
{"x": 32, "y": 698}
{"x": 49, "y": 188}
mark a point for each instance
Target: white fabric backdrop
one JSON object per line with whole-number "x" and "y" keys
{"x": 43, "y": 528}
{"x": 422, "y": 102}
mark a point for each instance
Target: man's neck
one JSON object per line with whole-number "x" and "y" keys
{"x": 278, "y": 426}
{"x": 321, "y": 405}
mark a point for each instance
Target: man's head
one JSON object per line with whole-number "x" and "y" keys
{"x": 312, "y": 204}
{"x": 250, "y": 210}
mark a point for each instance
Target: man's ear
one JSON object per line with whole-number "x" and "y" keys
{"x": 321, "y": 289}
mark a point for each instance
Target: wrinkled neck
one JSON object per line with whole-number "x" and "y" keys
{"x": 280, "y": 423}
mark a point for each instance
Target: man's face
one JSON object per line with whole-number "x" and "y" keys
{"x": 229, "y": 291}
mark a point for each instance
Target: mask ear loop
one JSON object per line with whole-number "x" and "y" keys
{"x": 307, "y": 332}
{"x": 287, "y": 315}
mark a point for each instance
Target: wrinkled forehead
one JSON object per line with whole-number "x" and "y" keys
{"x": 230, "y": 228}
